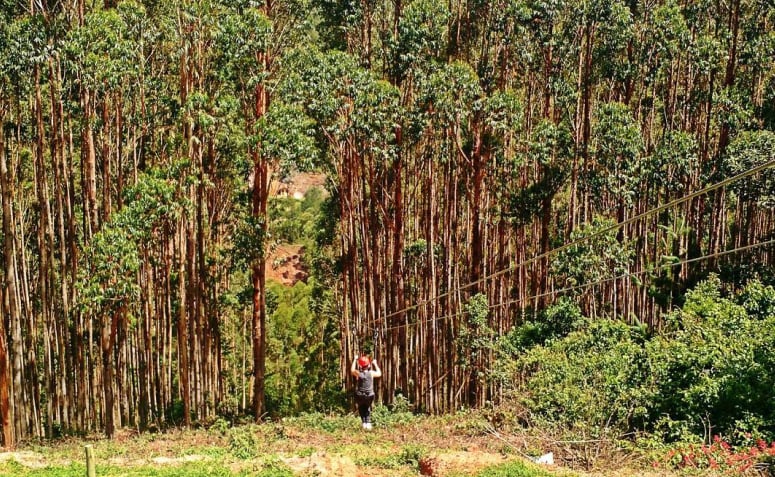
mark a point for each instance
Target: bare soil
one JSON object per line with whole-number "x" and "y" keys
{"x": 284, "y": 265}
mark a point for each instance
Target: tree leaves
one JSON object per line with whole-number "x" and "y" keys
{"x": 748, "y": 150}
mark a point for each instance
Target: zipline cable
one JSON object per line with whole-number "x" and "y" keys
{"x": 605, "y": 230}
{"x": 597, "y": 282}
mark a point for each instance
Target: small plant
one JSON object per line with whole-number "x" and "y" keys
{"x": 513, "y": 469}
{"x": 274, "y": 467}
{"x": 221, "y": 426}
{"x": 411, "y": 455}
{"x": 720, "y": 456}
{"x": 306, "y": 451}
{"x": 243, "y": 442}
{"x": 400, "y": 412}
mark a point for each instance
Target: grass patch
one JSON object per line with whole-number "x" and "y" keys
{"x": 188, "y": 469}
{"x": 409, "y": 456}
{"x": 510, "y": 469}
{"x": 321, "y": 422}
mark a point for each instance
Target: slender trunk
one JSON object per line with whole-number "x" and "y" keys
{"x": 7, "y": 295}
{"x": 109, "y": 330}
{"x": 259, "y": 210}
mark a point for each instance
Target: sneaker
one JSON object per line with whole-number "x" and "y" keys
{"x": 367, "y": 426}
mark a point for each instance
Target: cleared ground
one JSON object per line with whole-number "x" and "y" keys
{"x": 317, "y": 445}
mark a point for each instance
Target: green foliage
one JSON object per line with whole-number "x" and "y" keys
{"x": 513, "y": 469}
{"x": 346, "y": 102}
{"x": 286, "y": 135}
{"x": 595, "y": 255}
{"x": 399, "y": 412}
{"x": 409, "y": 456}
{"x": 504, "y": 114}
{"x": 616, "y": 32}
{"x": 337, "y": 19}
{"x": 550, "y": 146}
{"x": 22, "y": 46}
{"x": 151, "y": 205}
{"x": 243, "y": 442}
{"x": 197, "y": 469}
{"x": 295, "y": 221}
{"x": 452, "y": 92}
{"x": 673, "y": 161}
{"x": 751, "y": 149}
{"x": 332, "y": 424}
{"x": 555, "y": 322}
{"x": 588, "y": 382}
{"x": 249, "y": 241}
{"x": 422, "y": 35}
{"x": 109, "y": 283}
{"x": 104, "y": 49}
{"x": 272, "y": 466}
{"x": 476, "y": 337}
{"x": 617, "y": 144}
{"x": 711, "y": 370}
{"x": 240, "y": 35}
{"x": 706, "y": 374}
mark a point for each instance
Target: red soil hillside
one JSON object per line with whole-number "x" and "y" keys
{"x": 283, "y": 263}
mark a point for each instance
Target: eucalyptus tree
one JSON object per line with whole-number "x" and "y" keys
{"x": 251, "y": 39}
{"x": 756, "y": 196}
{"x": 9, "y": 284}
{"x": 356, "y": 115}
{"x": 107, "y": 284}
{"x": 24, "y": 51}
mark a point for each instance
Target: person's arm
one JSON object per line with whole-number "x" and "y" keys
{"x": 376, "y": 372}
{"x": 353, "y": 369}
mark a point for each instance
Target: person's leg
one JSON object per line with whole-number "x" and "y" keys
{"x": 363, "y": 410}
{"x": 368, "y": 401}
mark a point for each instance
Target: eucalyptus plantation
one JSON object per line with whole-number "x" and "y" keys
{"x": 484, "y": 162}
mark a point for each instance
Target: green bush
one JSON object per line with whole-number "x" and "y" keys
{"x": 400, "y": 412}
{"x": 243, "y": 442}
{"x": 713, "y": 367}
{"x": 273, "y": 467}
{"x": 409, "y": 456}
{"x": 708, "y": 372}
{"x": 555, "y": 322}
{"x": 589, "y": 381}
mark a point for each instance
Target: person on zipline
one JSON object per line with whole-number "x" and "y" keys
{"x": 365, "y": 370}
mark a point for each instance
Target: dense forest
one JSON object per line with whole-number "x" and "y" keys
{"x": 488, "y": 163}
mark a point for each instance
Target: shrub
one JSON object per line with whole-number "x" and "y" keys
{"x": 330, "y": 424}
{"x": 513, "y": 469}
{"x": 243, "y": 442}
{"x": 708, "y": 371}
{"x": 400, "y": 412}
{"x": 719, "y": 456}
{"x": 712, "y": 367}
{"x": 591, "y": 381}
{"x": 273, "y": 467}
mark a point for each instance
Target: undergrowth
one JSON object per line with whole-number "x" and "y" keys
{"x": 510, "y": 469}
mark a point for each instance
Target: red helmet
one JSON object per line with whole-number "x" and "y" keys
{"x": 363, "y": 361}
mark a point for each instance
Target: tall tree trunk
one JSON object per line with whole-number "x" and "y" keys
{"x": 259, "y": 210}
{"x": 8, "y": 300}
